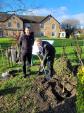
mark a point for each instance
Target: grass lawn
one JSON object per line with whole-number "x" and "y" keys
{"x": 66, "y": 42}
{"x": 14, "y": 92}
{"x": 6, "y": 42}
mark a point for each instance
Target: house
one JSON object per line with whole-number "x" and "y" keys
{"x": 62, "y": 33}
{"x": 11, "y": 24}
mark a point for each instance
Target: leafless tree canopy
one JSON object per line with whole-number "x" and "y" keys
{"x": 72, "y": 22}
{"x": 19, "y": 7}
{"x": 70, "y": 26}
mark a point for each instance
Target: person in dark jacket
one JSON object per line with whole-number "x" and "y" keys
{"x": 26, "y": 42}
{"x": 47, "y": 55}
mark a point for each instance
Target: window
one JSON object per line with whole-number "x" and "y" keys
{"x": 53, "y": 26}
{"x": 42, "y": 25}
{"x": 53, "y": 33}
{"x": 42, "y": 33}
{"x": 63, "y": 34}
{"x": 9, "y": 24}
{"x": 18, "y": 25}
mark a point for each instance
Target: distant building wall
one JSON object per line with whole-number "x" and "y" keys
{"x": 13, "y": 26}
{"x": 51, "y": 27}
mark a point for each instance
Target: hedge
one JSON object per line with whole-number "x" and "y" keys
{"x": 57, "y": 42}
{"x": 65, "y": 42}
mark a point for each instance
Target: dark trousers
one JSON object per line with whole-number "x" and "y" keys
{"x": 26, "y": 60}
{"x": 49, "y": 63}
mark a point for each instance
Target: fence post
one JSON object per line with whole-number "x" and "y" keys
{"x": 2, "y": 55}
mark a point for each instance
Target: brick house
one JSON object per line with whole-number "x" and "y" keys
{"x": 11, "y": 24}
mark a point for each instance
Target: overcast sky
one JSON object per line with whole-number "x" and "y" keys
{"x": 60, "y": 9}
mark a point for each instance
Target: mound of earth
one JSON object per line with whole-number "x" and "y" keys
{"x": 56, "y": 95}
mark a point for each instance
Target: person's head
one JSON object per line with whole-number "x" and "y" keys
{"x": 38, "y": 42}
{"x": 27, "y": 30}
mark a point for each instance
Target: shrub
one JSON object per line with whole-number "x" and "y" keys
{"x": 81, "y": 37}
{"x": 80, "y": 90}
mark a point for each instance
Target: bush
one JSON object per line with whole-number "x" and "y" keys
{"x": 81, "y": 37}
{"x": 80, "y": 91}
{"x": 63, "y": 67}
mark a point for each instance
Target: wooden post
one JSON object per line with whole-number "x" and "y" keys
{"x": 2, "y": 55}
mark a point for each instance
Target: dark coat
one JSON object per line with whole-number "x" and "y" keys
{"x": 26, "y": 42}
{"x": 48, "y": 50}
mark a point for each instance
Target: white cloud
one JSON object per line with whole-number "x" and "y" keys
{"x": 80, "y": 17}
{"x": 45, "y": 11}
{"x": 59, "y": 13}
{"x": 41, "y": 12}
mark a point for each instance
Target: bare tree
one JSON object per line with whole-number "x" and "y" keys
{"x": 10, "y": 8}
{"x": 19, "y": 7}
{"x": 70, "y": 26}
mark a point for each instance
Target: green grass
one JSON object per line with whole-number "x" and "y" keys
{"x": 14, "y": 91}
{"x": 58, "y": 43}
{"x": 67, "y": 42}
{"x": 5, "y": 42}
